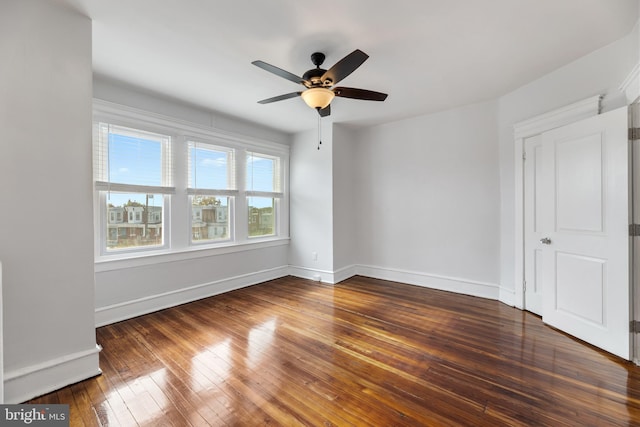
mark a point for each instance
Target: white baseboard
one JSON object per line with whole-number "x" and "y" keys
{"x": 129, "y": 309}
{"x": 344, "y": 273}
{"x": 443, "y": 283}
{"x": 508, "y": 297}
{"x": 323, "y": 276}
{"x": 26, "y": 383}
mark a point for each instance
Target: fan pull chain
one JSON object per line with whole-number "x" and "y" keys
{"x": 319, "y": 131}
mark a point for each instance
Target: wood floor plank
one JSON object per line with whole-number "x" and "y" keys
{"x": 206, "y": 361}
{"x": 121, "y": 416}
{"x": 76, "y": 413}
{"x": 270, "y": 369}
{"x": 311, "y": 352}
{"x": 364, "y": 352}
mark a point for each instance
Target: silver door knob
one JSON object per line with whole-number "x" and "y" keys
{"x": 545, "y": 241}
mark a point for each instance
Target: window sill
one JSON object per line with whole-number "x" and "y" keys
{"x": 129, "y": 260}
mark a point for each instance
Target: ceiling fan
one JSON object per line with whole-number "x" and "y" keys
{"x": 320, "y": 83}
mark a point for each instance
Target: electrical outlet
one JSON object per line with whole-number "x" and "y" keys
{"x": 314, "y": 256}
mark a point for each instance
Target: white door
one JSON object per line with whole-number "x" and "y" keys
{"x": 585, "y": 217}
{"x": 533, "y": 230}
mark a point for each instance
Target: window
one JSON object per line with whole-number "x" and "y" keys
{"x": 133, "y": 177}
{"x": 212, "y": 190}
{"x": 164, "y": 186}
{"x": 263, "y": 190}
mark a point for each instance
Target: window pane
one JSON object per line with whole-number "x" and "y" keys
{"x": 261, "y": 216}
{"x": 209, "y": 168}
{"x": 134, "y": 159}
{"x": 134, "y": 220}
{"x": 209, "y": 218}
{"x": 261, "y": 173}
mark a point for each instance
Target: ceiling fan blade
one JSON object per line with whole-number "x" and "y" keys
{"x": 325, "y": 111}
{"x": 279, "y": 72}
{"x": 367, "y": 95}
{"x": 279, "y": 98}
{"x": 345, "y": 66}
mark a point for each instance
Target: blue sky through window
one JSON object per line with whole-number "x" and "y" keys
{"x": 138, "y": 161}
{"x": 209, "y": 169}
{"x": 260, "y": 174}
{"x": 135, "y": 161}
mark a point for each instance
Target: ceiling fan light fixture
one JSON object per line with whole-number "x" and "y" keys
{"x": 317, "y": 97}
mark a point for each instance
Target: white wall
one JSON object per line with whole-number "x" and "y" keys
{"x": 127, "y": 288}
{"x": 322, "y": 204}
{"x": 311, "y": 204}
{"x": 124, "y": 290}
{"x": 344, "y": 213}
{"x": 120, "y": 93}
{"x": 427, "y": 200}
{"x": 599, "y": 73}
{"x": 46, "y": 237}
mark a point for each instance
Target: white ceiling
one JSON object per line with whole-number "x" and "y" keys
{"x": 428, "y": 55}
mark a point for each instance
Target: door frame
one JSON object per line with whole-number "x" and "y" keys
{"x": 634, "y": 241}
{"x": 584, "y": 109}
{"x": 532, "y": 146}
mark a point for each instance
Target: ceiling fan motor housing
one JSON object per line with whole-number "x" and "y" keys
{"x": 317, "y": 58}
{"x": 315, "y": 74}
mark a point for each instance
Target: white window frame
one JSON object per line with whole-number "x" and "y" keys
{"x": 101, "y": 235}
{"x": 177, "y": 207}
{"x": 277, "y": 195}
{"x": 230, "y": 221}
{"x": 103, "y": 185}
{"x": 231, "y": 192}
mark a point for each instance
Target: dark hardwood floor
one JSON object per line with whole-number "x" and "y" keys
{"x": 364, "y": 352}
